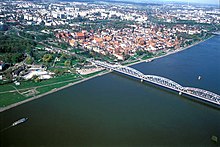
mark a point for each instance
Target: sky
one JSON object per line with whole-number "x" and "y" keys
{"x": 199, "y": 1}
{"x": 216, "y": 2}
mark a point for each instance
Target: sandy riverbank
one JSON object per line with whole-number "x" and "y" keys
{"x": 100, "y": 74}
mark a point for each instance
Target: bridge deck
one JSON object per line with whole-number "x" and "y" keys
{"x": 164, "y": 82}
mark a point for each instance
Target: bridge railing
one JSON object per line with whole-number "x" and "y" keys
{"x": 199, "y": 93}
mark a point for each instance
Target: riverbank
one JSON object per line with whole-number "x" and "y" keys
{"x": 170, "y": 53}
{"x": 96, "y": 75}
{"x": 52, "y": 91}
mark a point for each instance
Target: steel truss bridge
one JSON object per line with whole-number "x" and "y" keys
{"x": 201, "y": 94}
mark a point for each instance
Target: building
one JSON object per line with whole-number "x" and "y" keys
{"x": 2, "y": 65}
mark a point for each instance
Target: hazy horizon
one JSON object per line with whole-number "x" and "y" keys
{"x": 216, "y": 2}
{"x": 196, "y": 1}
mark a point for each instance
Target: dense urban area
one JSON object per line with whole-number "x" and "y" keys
{"x": 46, "y": 46}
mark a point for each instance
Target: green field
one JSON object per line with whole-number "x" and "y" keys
{"x": 29, "y": 84}
{"x": 10, "y": 98}
{"x": 17, "y": 95}
{"x": 146, "y": 57}
{"x": 51, "y": 87}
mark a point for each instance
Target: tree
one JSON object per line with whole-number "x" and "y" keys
{"x": 67, "y": 63}
{"x": 37, "y": 80}
{"x": 9, "y": 76}
{"x": 29, "y": 60}
{"x": 58, "y": 71}
{"x": 64, "y": 56}
{"x": 47, "y": 58}
{"x": 16, "y": 57}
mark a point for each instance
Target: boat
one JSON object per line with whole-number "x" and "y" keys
{"x": 199, "y": 77}
{"x": 214, "y": 138}
{"x": 19, "y": 121}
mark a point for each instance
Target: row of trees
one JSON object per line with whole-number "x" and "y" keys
{"x": 49, "y": 58}
{"x": 12, "y": 44}
{"x": 12, "y": 57}
{"x": 13, "y": 48}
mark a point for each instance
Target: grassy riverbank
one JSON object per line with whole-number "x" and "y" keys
{"x": 15, "y": 97}
{"x": 11, "y": 96}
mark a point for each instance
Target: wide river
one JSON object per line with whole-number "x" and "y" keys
{"x": 114, "y": 110}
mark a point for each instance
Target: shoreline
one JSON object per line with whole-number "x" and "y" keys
{"x": 50, "y": 92}
{"x": 97, "y": 75}
{"x": 170, "y": 53}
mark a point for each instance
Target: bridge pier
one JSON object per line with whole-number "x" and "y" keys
{"x": 164, "y": 82}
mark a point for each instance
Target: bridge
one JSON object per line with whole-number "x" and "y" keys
{"x": 201, "y": 94}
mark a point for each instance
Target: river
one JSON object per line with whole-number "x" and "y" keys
{"x": 114, "y": 110}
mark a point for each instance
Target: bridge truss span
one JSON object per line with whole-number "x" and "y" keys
{"x": 164, "y": 82}
{"x": 203, "y": 94}
{"x": 130, "y": 71}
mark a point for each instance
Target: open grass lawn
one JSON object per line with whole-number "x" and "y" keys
{"x": 130, "y": 62}
{"x": 49, "y": 88}
{"x": 10, "y": 98}
{"x": 14, "y": 97}
{"x": 6, "y": 87}
{"x": 146, "y": 57}
{"x": 92, "y": 74}
{"x": 29, "y": 84}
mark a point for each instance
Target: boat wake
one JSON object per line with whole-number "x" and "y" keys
{"x": 22, "y": 120}
{"x": 6, "y": 128}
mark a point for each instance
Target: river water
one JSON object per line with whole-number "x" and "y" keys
{"x": 114, "y": 110}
